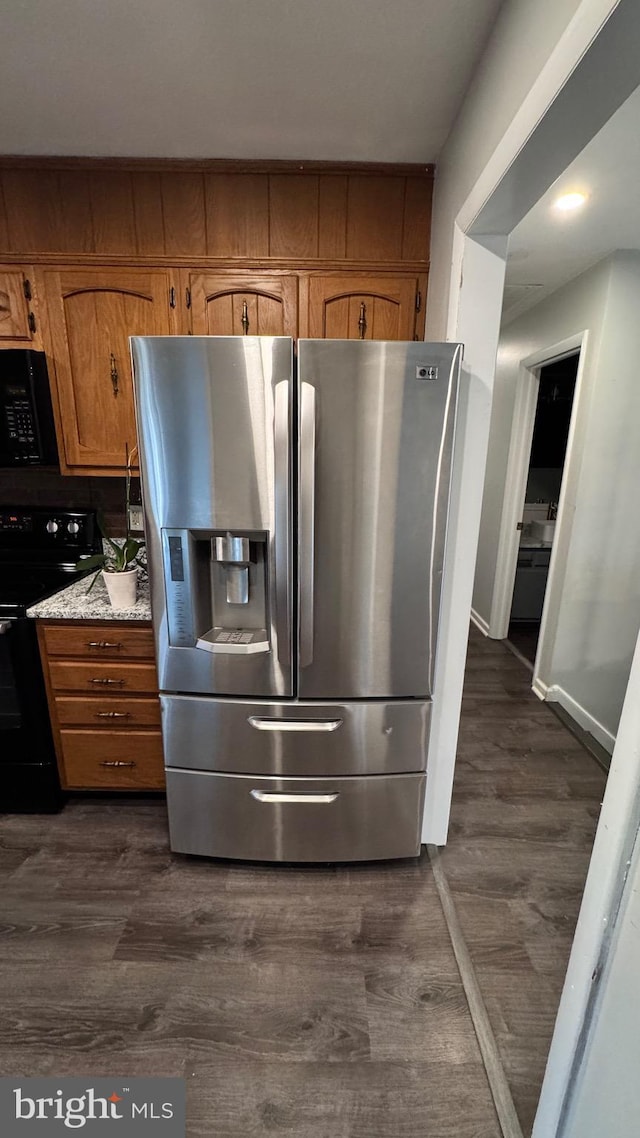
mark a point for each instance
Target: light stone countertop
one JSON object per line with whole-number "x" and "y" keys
{"x": 75, "y": 603}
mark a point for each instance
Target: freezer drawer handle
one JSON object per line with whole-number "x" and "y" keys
{"x": 261, "y": 724}
{"x": 275, "y": 796}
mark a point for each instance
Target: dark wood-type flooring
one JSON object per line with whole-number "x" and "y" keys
{"x": 319, "y": 1002}
{"x": 524, "y": 635}
{"x": 526, "y": 802}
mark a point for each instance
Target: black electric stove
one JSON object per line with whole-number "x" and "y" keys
{"x": 39, "y": 548}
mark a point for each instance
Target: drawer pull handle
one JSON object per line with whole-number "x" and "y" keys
{"x": 102, "y": 681}
{"x": 275, "y": 796}
{"x": 117, "y": 763}
{"x": 102, "y": 644}
{"x": 113, "y": 715}
{"x": 261, "y": 724}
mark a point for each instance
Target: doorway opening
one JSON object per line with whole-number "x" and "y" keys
{"x": 554, "y": 405}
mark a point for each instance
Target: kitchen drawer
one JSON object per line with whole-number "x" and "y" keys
{"x": 296, "y": 739}
{"x": 295, "y": 819}
{"x": 99, "y": 642}
{"x": 88, "y": 757}
{"x": 102, "y": 677}
{"x": 112, "y": 711}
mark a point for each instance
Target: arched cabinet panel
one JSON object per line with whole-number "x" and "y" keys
{"x": 92, "y": 314}
{"x": 365, "y": 308}
{"x": 233, "y": 305}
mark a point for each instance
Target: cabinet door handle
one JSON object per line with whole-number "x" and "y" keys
{"x": 113, "y": 715}
{"x": 117, "y": 763}
{"x": 101, "y": 681}
{"x": 245, "y": 318}
{"x": 114, "y": 374}
{"x": 103, "y": 644}
{"x": 362, "y": 322}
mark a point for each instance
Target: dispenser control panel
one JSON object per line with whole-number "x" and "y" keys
{"x": 176, "y": 560}
{"x": 178, "y": 589}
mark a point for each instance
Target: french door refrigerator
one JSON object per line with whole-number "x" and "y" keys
{"x": 295, "y": 519}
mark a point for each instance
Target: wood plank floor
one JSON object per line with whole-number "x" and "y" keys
{"x": 312, "y": 1003}
{"x": 526, "y": 802}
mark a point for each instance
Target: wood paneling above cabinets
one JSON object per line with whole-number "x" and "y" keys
{"x": 118, "y": 248}
{"x": 177, "y": 213}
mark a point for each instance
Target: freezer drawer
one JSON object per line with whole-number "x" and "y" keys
{"x": 295, "y": 819}
{"x": 295, "y": 739}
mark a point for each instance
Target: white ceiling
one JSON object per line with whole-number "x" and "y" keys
{"x": 368, "y": 80}
{"x": 549, "y": 248}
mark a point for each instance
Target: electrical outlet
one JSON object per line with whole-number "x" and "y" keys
{"x": 136, "y": 524}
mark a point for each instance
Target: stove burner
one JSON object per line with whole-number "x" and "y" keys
{"x": 25, "y": 585}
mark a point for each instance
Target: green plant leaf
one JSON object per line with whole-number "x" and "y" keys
{"x": 96, "y": 561}
{"x": 93, "y": 581}
{"x": 115, "y": 547}
{"x": 131, "y": 550}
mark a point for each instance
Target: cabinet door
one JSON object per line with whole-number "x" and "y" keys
{"x": 16, "y": 318}
{"x": 92, "y": 313}
{"x": 228, "y": 305}
{"x": 362, "y": 308}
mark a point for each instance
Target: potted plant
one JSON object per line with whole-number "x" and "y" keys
{"x": 119, "y": 563}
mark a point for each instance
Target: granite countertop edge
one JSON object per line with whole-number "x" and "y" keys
{"x": 74, "y": 602}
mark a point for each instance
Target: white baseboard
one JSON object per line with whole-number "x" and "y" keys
{"x": 556, "y": 694}
{"x": 542, "y": 690}
{"x": 480, "y": 622}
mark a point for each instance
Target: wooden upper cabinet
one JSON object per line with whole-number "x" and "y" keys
{"x": 17, "y": 322}
{"x": 91, "y": 314}
{"x": 233, "y": 305}
{"x": 365, "y": 308}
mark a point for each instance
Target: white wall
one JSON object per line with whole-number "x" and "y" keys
{"x": 585, "y": 988}
{"x": 521, "y": 41}
{"x": 578, "y": 306}
{"x": 607, "y": 1094}
{"x": 593, "y": 621}
{"x": 599, "y": 615}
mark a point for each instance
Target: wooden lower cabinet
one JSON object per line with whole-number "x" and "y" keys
{"x": 102, "y": 690}
{"x": 113, "y": 760}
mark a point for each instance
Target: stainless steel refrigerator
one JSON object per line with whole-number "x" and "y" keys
{"x": 295, "y": 515}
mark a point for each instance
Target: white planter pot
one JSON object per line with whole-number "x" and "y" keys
{"x": 122, "y": 588}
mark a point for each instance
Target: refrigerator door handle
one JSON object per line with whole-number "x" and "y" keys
{"x": 262, "y": 724}
{"x": 274, "y": 796}
{"x": 307, "y": 521}
{"x": 282, "y": 525}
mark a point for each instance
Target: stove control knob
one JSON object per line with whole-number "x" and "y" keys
{"x": 52, "y": 527}
{"x": 73, "y": 527}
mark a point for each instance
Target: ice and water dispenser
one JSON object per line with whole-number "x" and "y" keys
{"x": 217, "y": 590}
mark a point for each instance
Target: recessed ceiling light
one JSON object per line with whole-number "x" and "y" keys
{"x": 570, "y": 201}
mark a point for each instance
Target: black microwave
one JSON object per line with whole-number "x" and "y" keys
{"x": 27, "y": 430}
